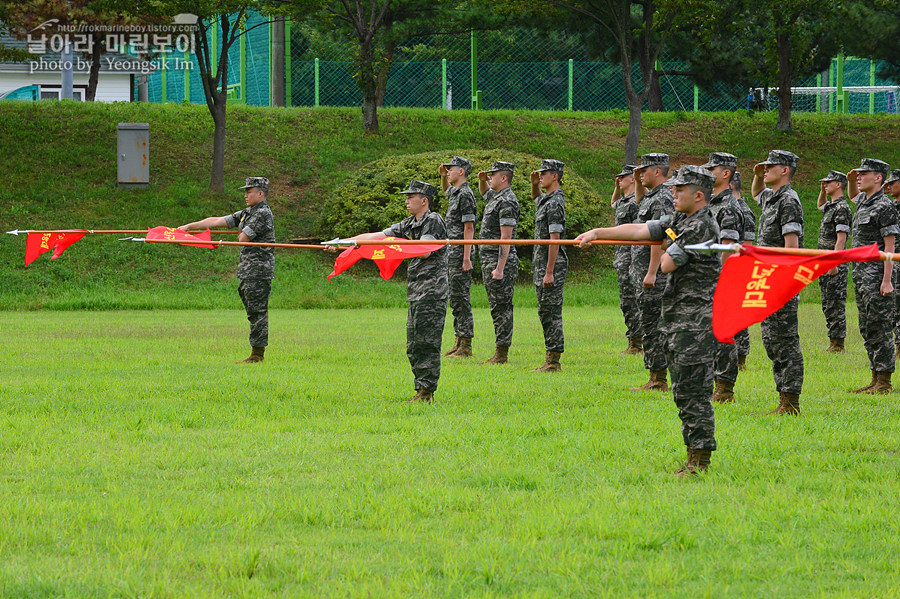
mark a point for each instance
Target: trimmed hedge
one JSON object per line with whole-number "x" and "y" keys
{"x": 369, "y": 200}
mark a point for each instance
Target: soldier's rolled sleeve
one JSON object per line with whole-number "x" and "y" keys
{"x": 749, "y": 236}
{"x": 678, "y": 255}
{"x": 842, "y": 229}
{"x": 249, "y": 232}
{"x": 843, "y": 218}
{"x": 467, "y": 208}
{"x": 508, "y": 215}
{"x": 468, "y": 218}
{"x": 393, "y": 231}
{"x": 232, "y": 220}
{"x": 729, "y": 234}
{"x": 556, "y": 220}
{"x": 891, "y": 230}
{"x": 657, "y": 229}
{"x": 791, "y": 228}
{"x": 888, "y": 218}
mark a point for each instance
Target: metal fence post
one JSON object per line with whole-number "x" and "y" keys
{"x": 444, "y": 83}
{"x": 872, "y": 83}
{"x": 819, "y": 96}
{"x": 841, "y": 104}
{"x": 162, "y": 77}
{"x": 696, "y": 98}
{"x": 571, "y": 81}
{"x": 476, "y": 98}
{"x": 187, "y": 77}
{"x": 288, "y": 90}
{"x": 831, "y": 95}
{"x": 243, "y": 66}
{"x": 316, "y": 85}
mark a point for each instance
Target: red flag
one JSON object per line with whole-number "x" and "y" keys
{"x": 758, "y": 282}
{"x": 38, "y": 243}
{"x": 169, "y": 233}
{"x": 386, "y": 257}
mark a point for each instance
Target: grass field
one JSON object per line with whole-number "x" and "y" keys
{"x": 138, "y": 461}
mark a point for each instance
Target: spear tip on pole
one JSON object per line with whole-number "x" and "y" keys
{"x": 16, "y": 232}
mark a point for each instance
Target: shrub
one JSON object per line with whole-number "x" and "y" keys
{"x": 369, "y": 200}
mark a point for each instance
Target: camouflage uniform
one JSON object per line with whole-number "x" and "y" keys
{"x": 461, "y": 209}
{"x": 686, "y": 319}
{"x": 626, "y": 212}
{"x": 550, "y": 217}
{"x": 655, "y": 204}
{"x": 256, "y": 266}
{"x": 501, "y": 209}
{"x": 742, "y": 338}
{"x": 836, "y": 218}
{"x": 782, "y": 214}
{"x": 875, "y": 218}
{"x": 427, "y": 290}
{"x": 895, "y": 276}
{"x": 729, "y": 217}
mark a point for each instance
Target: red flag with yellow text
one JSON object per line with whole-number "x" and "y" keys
{"x": 757, "y": 282}
{"x": 38, "y": 243}
{"x": 172, "y": 234}
{"x": 387, "y": 257}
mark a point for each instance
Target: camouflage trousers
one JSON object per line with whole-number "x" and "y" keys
{"x": 727, "y": 361}
{"x": 460, "y": 300}
{"x": 781, "y": 338}
{"x": 896, "y": 282}
{"x": 690, "y": 358}
{"x": 550, "y": 304}
{"x": 650, "y": 305}
{"x": 424, "y": 331}
{"x": 742, "y": 341}
{"x": 255, "y": 295}
{"x": 628, "y": 301}
{"x": 876, "y": 317}
{"x": 500, "y": 297}
{"x": 834, "y": 301}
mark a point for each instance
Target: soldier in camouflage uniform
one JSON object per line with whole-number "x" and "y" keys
{"x": 460, "y": 219}
{"x": 742, "y": 338}
{"x": 875, "y": 221}
{"x": 686, "y": 318}
{"x": 781, "y": 225}
{"x": 648, "y": 279}
{"x": 256, "y": 266}
{"x": 549, "y": 263}
{"x": 427, "y": 288}
{"x": 499, "y": 263}
{"x": 892, "y": 189}
{"x": 626, "y": 212}
{"x": 730, "y": 218}
{"x": 833, "y": 233}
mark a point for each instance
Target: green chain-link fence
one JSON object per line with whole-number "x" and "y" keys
{"x": 516, "y": 69}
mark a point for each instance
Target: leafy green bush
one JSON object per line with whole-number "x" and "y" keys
{"x": 369, "y": 200}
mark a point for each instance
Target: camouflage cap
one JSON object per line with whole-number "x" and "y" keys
{"x": 426, "y": 189}
{"x": 461, "y": 162}
{"x": 834, "y": 176}
{"x": 873, "y": 164}
{"x": 689, "y": 174}
{"x": 782, "y": 157}
{"x": 721, "y": 159}
{"x": 551, "y": 165}
{"x": 260, "y": 182}
{"x": 627, "y": 169}
{"x": 895, "y": 176}
{"x": 499, "y": 165}
{"x": 655, "y": 159}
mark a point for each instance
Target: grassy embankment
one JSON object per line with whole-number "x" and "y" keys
{"x": 59, "y": 163}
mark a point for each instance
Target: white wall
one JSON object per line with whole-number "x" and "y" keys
{"x": 111, "y": 87}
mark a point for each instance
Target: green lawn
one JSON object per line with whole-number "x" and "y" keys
{"x": 138, "y": 461}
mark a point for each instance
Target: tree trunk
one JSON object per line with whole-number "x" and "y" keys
{"x": 277, "y": 63}
{"x": 655, "y": 94}
{"x": 368, "y": 84}
{"x": 633, "y": 139}
{"x": 94, "y": 75}
{"x": 785, "y": 74}
{"x": 383, "y": 73}
{"x": 217, "y": 179}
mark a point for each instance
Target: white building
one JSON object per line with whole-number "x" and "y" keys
{"x": 40, "y": 78}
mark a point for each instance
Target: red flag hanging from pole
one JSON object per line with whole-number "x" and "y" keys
{"x": 172, "y": 234}
{"x": 387, "y": 257}
{"x": 759, "y": 282}
{"x": 38, "y": 243}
